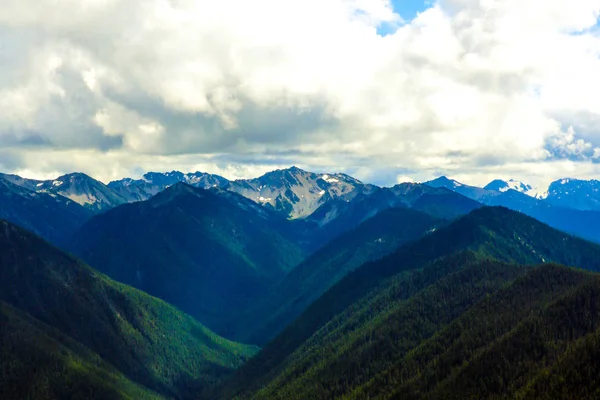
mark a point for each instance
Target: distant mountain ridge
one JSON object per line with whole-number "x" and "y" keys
{"x": 575, "y": 193}
{"x": 297, "y": 193}
{"x": 49, "y": 215}
{"x": 78, "y": 187}
{"x": 562, "y": 207}
{"x": 292, "y": 191}
{"x": 154, "y": 182}
{"x": 568, "y": 204}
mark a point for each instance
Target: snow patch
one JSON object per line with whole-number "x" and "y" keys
{"x": 57, "y": 183}
{"x": 82, "y": 199}
{"x": 520, "y": 187}
{"x": 329, "y": 179}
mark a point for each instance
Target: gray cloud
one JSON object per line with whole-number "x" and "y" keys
{"x": 10, "y": 161}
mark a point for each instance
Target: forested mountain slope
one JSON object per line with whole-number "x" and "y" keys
{"x": 39, "y": 362}
{"x": 446, "y": 273}
{"x": 487, "y": 330}
{"x": 206, "y": 252}
{"x": 70, "y": 322}
{"x": 373, "y": 239}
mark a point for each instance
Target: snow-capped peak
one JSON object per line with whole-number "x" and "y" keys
{"x": 575, "y": 193}
{"x": 517, "y": 185}
{"x": 512, "y": 184}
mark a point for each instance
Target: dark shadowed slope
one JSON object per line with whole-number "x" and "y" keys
{"x": 341, "y": 215}
{"x": 147, "y": 340}
{"x": 438, "y": 202}
{"x": 370, "y": 241}
{"x": 209, "y": 253}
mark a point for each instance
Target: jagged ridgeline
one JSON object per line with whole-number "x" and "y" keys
{"x": 68, "y": 331}
{"x": 329, "y": 199}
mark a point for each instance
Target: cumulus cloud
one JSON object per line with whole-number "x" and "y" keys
{"x": 468, "y": 88}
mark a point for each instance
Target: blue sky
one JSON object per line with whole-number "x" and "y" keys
{"x": 407, "y": 9}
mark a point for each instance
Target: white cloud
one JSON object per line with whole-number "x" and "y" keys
{"x": 469, "y": 87}
{"x": 566, "y": 145}
{"x": 404, "y": 179}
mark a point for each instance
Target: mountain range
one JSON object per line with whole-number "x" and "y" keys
{"x": 298, "y": 194}
{"x": 297, "y": 285}
{"x": 293, "y": 192}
